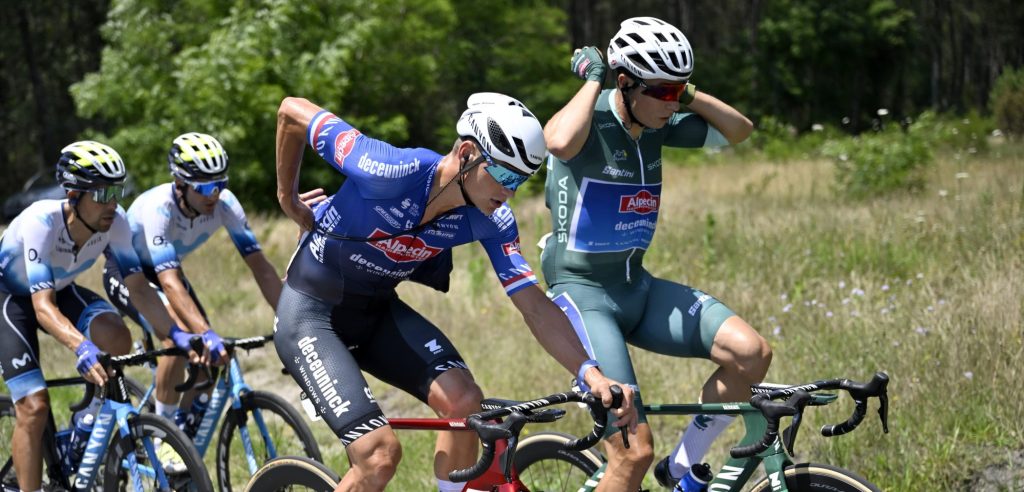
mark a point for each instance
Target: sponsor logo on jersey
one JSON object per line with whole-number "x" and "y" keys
{"x": 362, "y": 429}
{"x": 511, "y": 248}
{"x": 369, "y": 266}
{"x": 387, "y": 217}
{"x": 643, "y": 203}
{"x": 330, "y": 219}
{"x": 629, "y": 226}
{"x": 440, "y": 233}
{"x": 562, "y": 211}
{"x": 343, "y": 144}
{"x": 503, "y": 218}
{"x": 316, "y": 246}
{"x": 386, "y": 169}
{"x": 22, "y": 361}
{"x": 697, "y": 304}
{"x": 433, "y": 346}
{"x": 404, "y": 248}
{"x": 617, "y": 173}
{"x": 605, "y": 126}
{"x": 620, "y": 155}
{"x": 653, "y": 165}
{"x": 397, "y": 212}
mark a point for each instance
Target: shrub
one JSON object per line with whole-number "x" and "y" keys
{"x": 1007, "y": 102}
{"x": 877, "y": 163}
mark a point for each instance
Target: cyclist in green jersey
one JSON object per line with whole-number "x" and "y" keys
{"x": 604, "y": 191}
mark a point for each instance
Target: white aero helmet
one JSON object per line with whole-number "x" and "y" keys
{"x": 197, "y": 156}
{"x": 87, "y": 164}
{"x": 505, "y": 129}
{"x": 650, "y": 48}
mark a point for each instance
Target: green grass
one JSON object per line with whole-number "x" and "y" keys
{"x": 925, "y": 286}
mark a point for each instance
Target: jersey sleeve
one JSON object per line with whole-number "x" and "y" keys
{"x": 156, "y": 226}
{"x": 38, "y": 240}
{"x": 378, "y": 168}
{"x": 120, "y": 245}
{"x": 501, "y": 243}
{"x": 233, "y": 218}
{"x": 691, "y": 130}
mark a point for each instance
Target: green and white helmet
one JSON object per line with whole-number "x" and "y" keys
{"x": 197, "y": 157}
{"x": 86, "y": 164}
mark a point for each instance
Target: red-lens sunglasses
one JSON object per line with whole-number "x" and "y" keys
{"x": 663, "y": 92}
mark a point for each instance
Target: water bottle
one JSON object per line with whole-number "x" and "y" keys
{"x": 695, "y": 480}
{"x": 80, "y": 438}
{"x": 195, "y": 414}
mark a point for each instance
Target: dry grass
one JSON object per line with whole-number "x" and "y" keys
{"x": 926, "y": 287}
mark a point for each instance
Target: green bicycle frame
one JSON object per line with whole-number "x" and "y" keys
{"x": 735, "y": 473}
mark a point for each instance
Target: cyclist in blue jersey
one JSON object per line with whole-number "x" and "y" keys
{"x": 41, "y": 253}
{"x": 604, "y": 191}
{"x": 396, "y": 218}
{"x": 169, "y": 222}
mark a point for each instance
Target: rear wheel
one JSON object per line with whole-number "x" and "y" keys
{"x": 544, "y": 464}
{"x": 293, "y": 473}
{"x": 809, "y": 477}
{"x": 147, "y": 429}
{"x": 286, "y": 432}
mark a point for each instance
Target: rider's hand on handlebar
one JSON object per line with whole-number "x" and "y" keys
{"x": 183, "y": 340}
{"x": 88, "y": 364}
{"x": 599, "y": 385}
{"x": 215, "y": 347}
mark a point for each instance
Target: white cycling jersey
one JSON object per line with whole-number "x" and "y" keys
{"x": 37, "y": 252}
{"x": 163, "y": 236}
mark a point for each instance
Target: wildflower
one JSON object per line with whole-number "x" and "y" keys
{"x": 846, "y": 300}
{"x": 772, "y": 319}
{"x": 969, "y": 375}
{"x": 884, "y": 311}
{"x": 920, "y": 330}
{"x": 784, "y": 297}
{"x": 842, "y": 284}
{"x": 962, "y": 175}
{"x": 942, "y": 302}
{"x": 885, "y": 288}
{"x": 882, "y": 112}
{"x": 828, "y": 314}
{"x": 930, "y": 308}
{"x": 909, "y": 281}
{"x": 814, "y": 302}
{"x": 777, "y": 331}
{"x": 817, "y": 127}
{"x": 854, "y": 313}
{"x": 857, "y": 292}
{"x": 895, "y": 343}
{"x": 920, "y": 276}
{"x": 787, "y": 307}
{"x": 997, "y": 133}
{"x": 943, "y": 193}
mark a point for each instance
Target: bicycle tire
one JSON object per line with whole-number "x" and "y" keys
{"x": 544, "y": 464}
{"x": 267, "y": 403}
{"x": 288, "y": 472}
{"x": 145, "y": 425}
{"x": 810, "y": 477}
{"x": 6, "y": 431}
{"x": 136, "y": 391}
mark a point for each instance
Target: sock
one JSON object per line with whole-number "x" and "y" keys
{"x": 702, "y": 431}
{"x": 166, "y": 409}
{"x": 446, "y": 486}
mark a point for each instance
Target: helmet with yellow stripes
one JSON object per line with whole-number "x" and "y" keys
{"x": 86, "y": 165}
{"x": 197, "y": 157}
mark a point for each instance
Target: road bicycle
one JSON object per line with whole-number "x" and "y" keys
{"x": 122, "y": 440}
{"x": 257, "y": 425}
{"x": 498, "y": 428}
{"x": 544, "y": 457}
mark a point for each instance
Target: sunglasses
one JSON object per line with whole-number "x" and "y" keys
{"x": 209, "y": 188}
{"x": 663, "y": 92}
{"x": 507, "y": 178}
{"x": 107, "y": 194}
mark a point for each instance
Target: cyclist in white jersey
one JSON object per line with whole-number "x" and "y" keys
{"x": 45, "y": 248}
{"x": 169, "y": 222}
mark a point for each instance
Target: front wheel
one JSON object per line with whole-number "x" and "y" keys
{"x": 544, "y": 464}
{"x": 293, "y": 473}
{"x": 809, "y": 477}
{"x": 149, "y": 435}
{"x": 274, "y": 428}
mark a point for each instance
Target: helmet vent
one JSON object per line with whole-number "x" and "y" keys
{"x": 639, "y": 60}
{"x": 498, "y": 137}
{"x": 661, "y": 37}
{"x": 620, "y": 43}
{"x": 674, "y": 58}
{"x": 635, "y": 37}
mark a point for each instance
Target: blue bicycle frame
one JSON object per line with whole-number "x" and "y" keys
{"x": 116, "y": 415}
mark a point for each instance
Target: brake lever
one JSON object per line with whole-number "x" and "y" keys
{"x": 800, "y": 399}
{"x": 883, "y": 411}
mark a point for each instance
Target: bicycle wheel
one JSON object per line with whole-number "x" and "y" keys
{"x": 545, "y": 465}
{"x": 6, "y": 431}
{"x": 808, "y": 477}
{"x": 136, "y": 391}
{"x": 145, "y": 428}
{"x": 293, "y": 473}
{"x": 286, "y": 430}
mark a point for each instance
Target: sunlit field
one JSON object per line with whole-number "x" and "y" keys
{"x": 927, "y": 287}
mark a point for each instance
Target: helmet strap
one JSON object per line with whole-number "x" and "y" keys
{"x": 626, "y": 102}
{"x": 78, "y": 215}
{"x": 464, "y": 169}
{"x": 183, "y": 204}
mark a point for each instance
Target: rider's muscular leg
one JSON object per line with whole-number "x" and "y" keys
{"x": 454, "y": 395}
{"x": 33, "y": 413}
{"x": 374, "y": 458}
{"x": 627, "y": 467}
{"x": 170, "y": 372}
{"x": 110, "y": 334}
{"x": 743, "y": 357}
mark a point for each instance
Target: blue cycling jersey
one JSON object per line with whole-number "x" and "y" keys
{"x": 162, "y": 235}
{"x": 384, "y": 196}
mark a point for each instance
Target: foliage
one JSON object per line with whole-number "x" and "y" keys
{"x": 1007, "y": 102}
{"x": 876, "y": 163}
{"x": 392, "y": 68}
